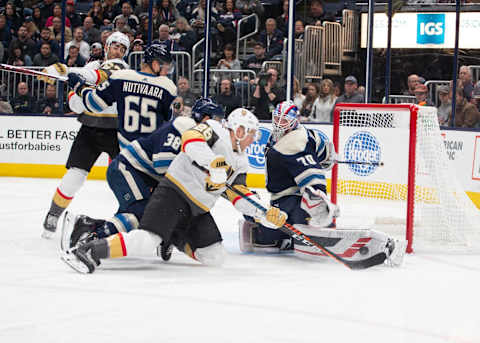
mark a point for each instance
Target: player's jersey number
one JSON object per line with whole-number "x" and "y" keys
{"x": 132, "y": 117}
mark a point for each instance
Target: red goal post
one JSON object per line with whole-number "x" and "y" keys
{"x": 417, "y": 179}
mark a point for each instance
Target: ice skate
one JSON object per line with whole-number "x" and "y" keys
{"x": 165, "y": 251}
{"x": 80, "y": 258}
{"x": 395, "y": 251}
{"x": 49, "y": 225}
{"x": 78, "y": 229}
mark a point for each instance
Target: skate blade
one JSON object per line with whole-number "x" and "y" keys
{"x": 68, "y": 224}
{"x": 74, "y": 263}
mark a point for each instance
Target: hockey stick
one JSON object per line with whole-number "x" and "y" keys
{"x": 27, "y": 71}
{"x": 300, "y": 236}
{"x": 380, "y": 164}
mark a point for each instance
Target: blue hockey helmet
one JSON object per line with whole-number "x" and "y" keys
{"x": 157, "y": 51}
{"x": 284, "y": 119}
{"x": 206, "y": 107}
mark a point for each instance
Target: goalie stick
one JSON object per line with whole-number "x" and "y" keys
{"x": 380, "y": 164}
{"x": 299, "y": 235}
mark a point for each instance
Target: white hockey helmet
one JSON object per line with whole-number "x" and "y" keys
{"x": 243, "y": 117}
{"x": 284, "y": 119}
{"x": 118, "y": 37}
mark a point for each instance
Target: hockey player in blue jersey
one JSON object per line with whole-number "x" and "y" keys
{"x": 296, "y": 160}
{"x": 143, "y": 97}
{"x": 134, "y": 174}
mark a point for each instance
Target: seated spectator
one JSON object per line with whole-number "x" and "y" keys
{"x": 421, "y": 95}
{"x": 17, "y": 58}
{"x": 465, "y": 74}
{"x": 337, "y": 89}
{"x": 57, "y": 13}
{"x": 323, "y": 106}
{"x": 185, "y": 92}
{"x": 110, "y": 10}
{"x": 142, "y": 32}
{"x": 22, "y": 41}
{"x": 96, "y": 12}
{"x": 272, "y": 39}
{"x": 167, "y": 12}
{"x": 37, "y": 18}
{"x": 412, "y": 82}
{"x": 228, "y": 17}
{"x": 298, "y": 97}
{"x": 135, "y": 59}
{"x": 96, "y": 52}
{"x": 45, "y": 57}
{"x": 248, "y": 7}
{"x": 56, "y": 29}
{"x": 476, "y": 96}
{"x": 46, "y": 36}
{"x": 164, "y": 38}
{"x": 49, "y": 104}
{"x": 317, "y": 14}
{"x": 227, "y": 98}
{"x": 5, "y": 35}
{"x": 72, "y": 14}
{"x": 127, "y": 14}
{"x": 229, "y": 62}
{"x": 5, "y": 107}
{"x": 267, "y": 94}
{"x": 90, "y": 33}
{"x": 142, "y": 8}
{"x": 47, "y": 9}
{"x": 184, "y": 35}
{"x": 312, "y": 91}
{"x": 74, "y": 59}
{"x": 198, "y": 22}
{"x": 14, "y": 21}
{"x": 466, "y": 113}
{"x": 179, "y": 109}
{"x": 120, "y": 24}
{"x": 282, "y": 21}
{"x": 299, "y": 29}
{"x": 444, "y": 110}
{"x": 351, "y": 94}
{"x": 78, "y": 41}
{"x": 185, "y": 8}
{"x": 32, "y": 30}
{"x": 255, "y": 62}
{"x": 103, "y": 37}
{"x": 23, "y": 102}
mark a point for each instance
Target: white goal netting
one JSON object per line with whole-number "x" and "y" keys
{"x": 442, "y": 216}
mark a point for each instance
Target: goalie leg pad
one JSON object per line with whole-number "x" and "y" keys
{"x": 352, "y": 245}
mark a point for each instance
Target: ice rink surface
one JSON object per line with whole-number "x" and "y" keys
{"x": 252, "y": 298}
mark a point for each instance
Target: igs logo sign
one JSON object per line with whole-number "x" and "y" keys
{"x": 431, "y": 28}
{"x": 362, "y": 147}
{"x": 256, "y": 150}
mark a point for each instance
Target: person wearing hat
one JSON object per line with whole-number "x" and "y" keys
{"x": 96, "y": 52}
{"x": 351, "y": 94}
{"x": 444, "y": 110}
{"x": 255, "y": 62}
{"x": 421, "y": 93}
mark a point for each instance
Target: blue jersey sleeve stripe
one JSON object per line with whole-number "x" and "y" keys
{"x": 140, "y": 160}
{"x": 126, "y": 224}
{"x": 92, "y": 103}
{"x": 308, "y": 179}
{"x": 162, "y": 163}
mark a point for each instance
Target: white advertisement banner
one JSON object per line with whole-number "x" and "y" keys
{"x": 423, "y": 30}
{"x": 38, "y": 139}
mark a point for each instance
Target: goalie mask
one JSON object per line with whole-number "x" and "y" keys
{"x": 243, "y": 117}
{"x": 117, "y": 37}
{"x": 284, "y": 119}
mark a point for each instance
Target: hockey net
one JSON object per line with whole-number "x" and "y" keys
{"x": 416, "y": 193}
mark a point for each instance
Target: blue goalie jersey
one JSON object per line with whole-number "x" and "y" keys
{"x": 153, "y": 154}
{"x": 293, "y": 163}
{"x": 143, "y": 102}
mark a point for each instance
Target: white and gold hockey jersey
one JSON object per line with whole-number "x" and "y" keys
{"x": 201, "y": 145}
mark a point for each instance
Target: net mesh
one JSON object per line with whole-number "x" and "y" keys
{"x": 444, "y": 215}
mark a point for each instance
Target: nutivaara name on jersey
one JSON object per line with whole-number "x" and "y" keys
{"x": 141, "y": 88}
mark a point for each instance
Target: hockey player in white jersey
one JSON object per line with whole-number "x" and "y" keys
{"x": 296, "y": 160}
{"x": 179, "y": 208}
{"x": 98, "y": 132}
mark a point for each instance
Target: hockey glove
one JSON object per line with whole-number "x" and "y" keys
{"x": 76, "y": 82}
{"x": 330, "y": 157}
{"x": 217, "y": 179}
{"x": 57, "y": 69}
{"x": 320, "y": 209}
{"x": 274, "y": 218}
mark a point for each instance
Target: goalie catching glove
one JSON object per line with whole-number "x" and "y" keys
{"x": 320, "y": 209}
{"x": 273, "y": 218}
{"x": 217, "y": 179}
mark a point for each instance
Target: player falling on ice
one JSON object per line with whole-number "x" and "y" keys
{"x": 98, "y": 132}
{"x": 132, "y": 176}
{"x": 296, "y": 160}
{"x": 142, "y": 98}
{"x": 179, "y": 209}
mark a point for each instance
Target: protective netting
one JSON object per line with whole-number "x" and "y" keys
{"x": 444, "y": 215}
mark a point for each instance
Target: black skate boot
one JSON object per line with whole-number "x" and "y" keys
{"x": 78, "y": 229}
{"x": 166, "y": 250}
{"x": 85, "y": 257}
{"x": 50, "y": 225}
